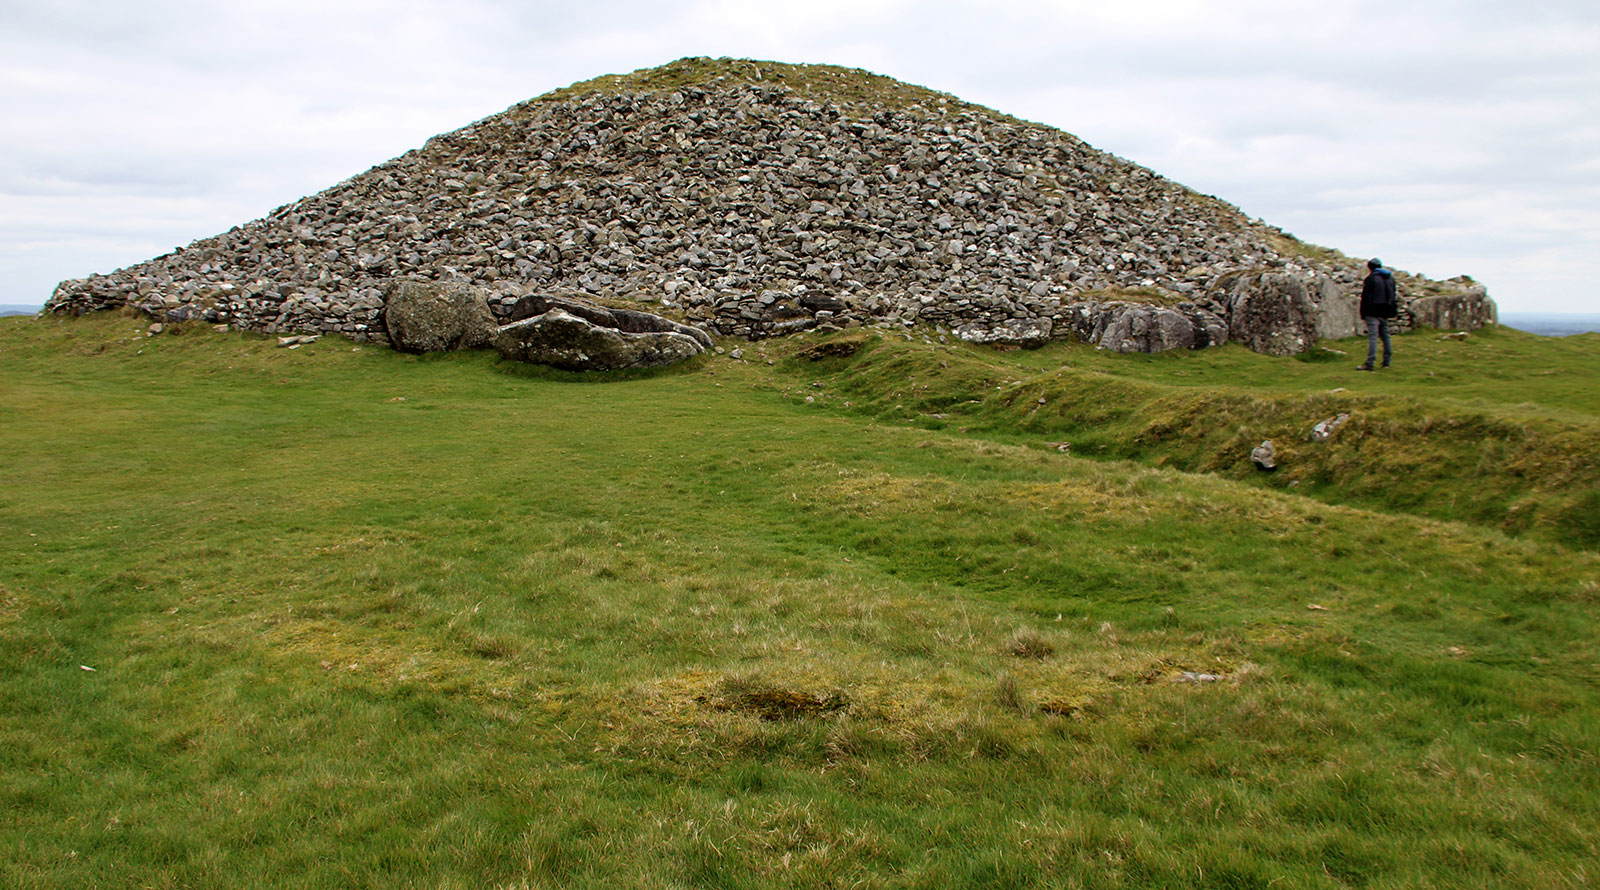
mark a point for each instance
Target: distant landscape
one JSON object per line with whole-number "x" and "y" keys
{"x": 7, "y": 309}
{"x": 1551, "y": 324}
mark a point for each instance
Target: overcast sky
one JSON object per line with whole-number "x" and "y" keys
{"x": 1446, "y": 136}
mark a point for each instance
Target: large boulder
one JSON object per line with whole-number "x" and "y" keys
{"x": 1147, "y": 329}
{"x": 629, "y": 321}
{"x": 1269, "y": 312}
{"x": 429, "y": 316}
{"x": 1134, "y": 327}
{"x": 1468, "y": 309}
{"x": 1338, "y": 308}
{"x": 1124, "y": 326}
{"x": 563, "y": 340}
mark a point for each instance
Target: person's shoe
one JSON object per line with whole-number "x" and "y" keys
{"x": 1385, "y": 364}
{"x": 1363, "y": 367}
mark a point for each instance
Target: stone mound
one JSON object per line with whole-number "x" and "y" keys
{"x": 758, "y": 199}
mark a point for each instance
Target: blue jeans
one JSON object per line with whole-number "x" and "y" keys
{"x": 1377, "y": 327}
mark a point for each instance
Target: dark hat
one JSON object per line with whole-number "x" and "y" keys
{"x": 1374, "y": 263}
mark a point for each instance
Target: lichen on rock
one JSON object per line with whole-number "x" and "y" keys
{"x": 562, "y": 340}
{"x": 425, "y": 316}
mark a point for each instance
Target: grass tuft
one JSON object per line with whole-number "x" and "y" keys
{"x": 1028, "y": 643}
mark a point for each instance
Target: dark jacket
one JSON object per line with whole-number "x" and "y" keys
{"x": 1379, "y": 298}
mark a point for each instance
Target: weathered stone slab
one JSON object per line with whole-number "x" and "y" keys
{"x": 562, "y": 340}
{"x": 1028, "y": 333}
{"x": 1338, "y": 308}
{"x": 626, "y": 320}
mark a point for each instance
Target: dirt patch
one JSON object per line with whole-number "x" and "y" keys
{"x": 775, "y": 703}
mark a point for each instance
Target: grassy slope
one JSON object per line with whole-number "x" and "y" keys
{"x": 363, "y": 619}
{"x": 1502, "y": 429}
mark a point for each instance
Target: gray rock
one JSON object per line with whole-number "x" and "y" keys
{"x": 1139, "y": 328}
{"x": 1338, "y": 308}
{"x": 562, "y": 340}
{"x": 1270, "y": 312}
{"x": 847, "y": 215}
{"x": 1265, "y": 456}
{"x": 631, "y": 321}
{"x": 426, "y": 316}
{"x": 1325, "y": 429}
{"x": 539, "y": 303}
{"x": 822, "y": 303}
{"x": 1028, "y": 333}
{"x": 1123, "y": 326}
{"x": 1469, "y": 309}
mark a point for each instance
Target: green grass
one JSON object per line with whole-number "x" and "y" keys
{"x": 1502, "y": 429}
{"x": 361, "y": 619}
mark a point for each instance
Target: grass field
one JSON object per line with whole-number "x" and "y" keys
{"x": 840, "y": 614}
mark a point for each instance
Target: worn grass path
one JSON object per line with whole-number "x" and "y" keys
{"x": 358, "y": 619}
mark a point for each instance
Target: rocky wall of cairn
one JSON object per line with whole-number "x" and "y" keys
{"x": 754, "y": 212}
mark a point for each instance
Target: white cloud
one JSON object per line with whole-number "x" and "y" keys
{"x": 1445, "y": 135}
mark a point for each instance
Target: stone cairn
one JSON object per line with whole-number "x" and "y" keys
{"x": 739, "y": 204}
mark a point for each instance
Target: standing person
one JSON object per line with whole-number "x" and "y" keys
{"x": 1379, "y": 303}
